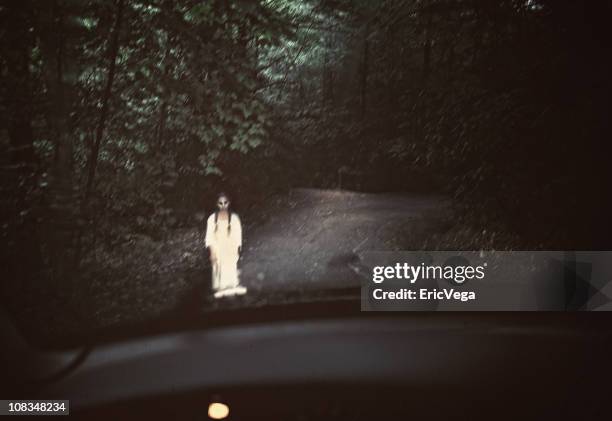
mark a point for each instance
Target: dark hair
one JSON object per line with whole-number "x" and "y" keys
{"x": 229, "y": 213}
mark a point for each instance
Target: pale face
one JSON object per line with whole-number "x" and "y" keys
{"x": 223, "y": 203}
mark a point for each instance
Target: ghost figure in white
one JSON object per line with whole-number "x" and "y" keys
{"x": 224, "y": 241}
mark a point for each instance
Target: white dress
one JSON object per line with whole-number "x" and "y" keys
{"x": 224, "y": 241}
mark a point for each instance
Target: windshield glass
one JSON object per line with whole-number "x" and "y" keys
{"x": 158, "y": 156}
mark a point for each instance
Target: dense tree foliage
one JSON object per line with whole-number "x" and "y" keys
{"x": 118, "y": 113}
{"x": 500, "y": 103}
{"x": 122, "y": 117}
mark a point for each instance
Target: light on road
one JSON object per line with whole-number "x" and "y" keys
{"x": 218, "y": 411}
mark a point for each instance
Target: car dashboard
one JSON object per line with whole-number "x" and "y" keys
{"x": 432, "y": 366}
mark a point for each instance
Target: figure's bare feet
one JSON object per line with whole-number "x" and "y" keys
{"x": 239, "y": 290}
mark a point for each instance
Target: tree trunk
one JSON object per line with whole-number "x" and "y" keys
{"x": 60, "y": 192}
{"x": 161, "y": 124}
{"x": 20, "y": 176}
{"x": 364, "y": 73}
{"x": 99, "y": 132}
{"x": 106, "y": 96}
{"x": 324, "y": 78}
{"x": 427, "y": 45}
{"x": 329, "y": 74}
{"x": 392, "y": 79}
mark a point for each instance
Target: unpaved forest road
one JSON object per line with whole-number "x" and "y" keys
{"x": 315, "y": 240}
{"x": 306, "y": 239}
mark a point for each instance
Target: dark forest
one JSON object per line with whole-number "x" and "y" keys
{"x": 121, "y": 120}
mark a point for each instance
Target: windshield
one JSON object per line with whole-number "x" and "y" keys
{"x": 159, "y": 156}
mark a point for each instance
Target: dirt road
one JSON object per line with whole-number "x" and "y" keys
{"x": 315, "y": 240}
